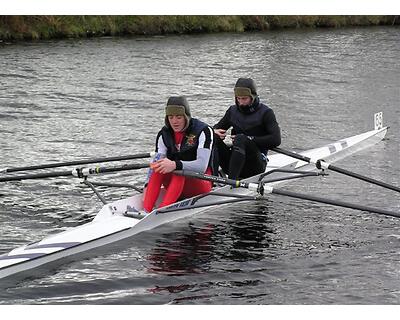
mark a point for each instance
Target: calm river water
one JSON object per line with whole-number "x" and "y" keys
{"x": 71, "y": 99}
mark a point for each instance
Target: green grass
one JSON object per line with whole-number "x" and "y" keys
{"x": 48, "y": 27}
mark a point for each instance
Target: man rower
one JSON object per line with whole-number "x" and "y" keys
{"x": 254, "y": 131}
{"x": 184, "y": 143}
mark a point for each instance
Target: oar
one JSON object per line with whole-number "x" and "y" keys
{"x": 78, "y": 162}
{"x": 322, "y": 164}
{"x": 262, "y": 188}
{"x": 79, "y": 172}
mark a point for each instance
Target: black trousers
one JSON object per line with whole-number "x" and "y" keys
{"x": 242, "y": 160}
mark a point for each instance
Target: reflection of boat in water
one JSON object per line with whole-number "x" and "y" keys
{"x": 189, "y": 252}
{"x": 205, "y": 248}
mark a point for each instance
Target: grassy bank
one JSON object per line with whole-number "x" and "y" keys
{"x": 48, "y": 27}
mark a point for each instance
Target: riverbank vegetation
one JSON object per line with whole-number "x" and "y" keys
{"x": 48, "y": 27}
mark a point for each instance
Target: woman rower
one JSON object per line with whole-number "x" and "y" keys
{"x": 184, "y": 143}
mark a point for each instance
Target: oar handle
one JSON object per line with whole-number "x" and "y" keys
{"x": 292, "y": 154}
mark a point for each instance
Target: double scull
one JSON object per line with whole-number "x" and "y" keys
{"x": 114, "y": 222}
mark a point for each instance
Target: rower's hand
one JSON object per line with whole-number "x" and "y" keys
{"x": 220, "y": 133}
{"x": 163, "y": 166}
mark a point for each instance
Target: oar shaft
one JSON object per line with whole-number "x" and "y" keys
{"x": 268, "y": 189}
{"x": 331, "y": 167}
{"x": 78, "y": 162}
{"x": 122, "y": 168}
{"x": 37, "y": 176}
{"x": 363, "y": 178}
{"x": 337, "y": 203}
{"x": 79, "y": 172}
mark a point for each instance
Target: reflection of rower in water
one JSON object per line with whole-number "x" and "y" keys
{"x": 183, "y": 143}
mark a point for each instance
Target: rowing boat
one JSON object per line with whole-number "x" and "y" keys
{"x": 114, "y": 222}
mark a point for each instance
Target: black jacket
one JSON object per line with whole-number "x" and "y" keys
{"x": 257, "y": 121}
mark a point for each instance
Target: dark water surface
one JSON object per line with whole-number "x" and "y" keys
{"x": 70, "y": 99}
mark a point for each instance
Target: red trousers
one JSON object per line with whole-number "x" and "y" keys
{"x": 176, "y": 187}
